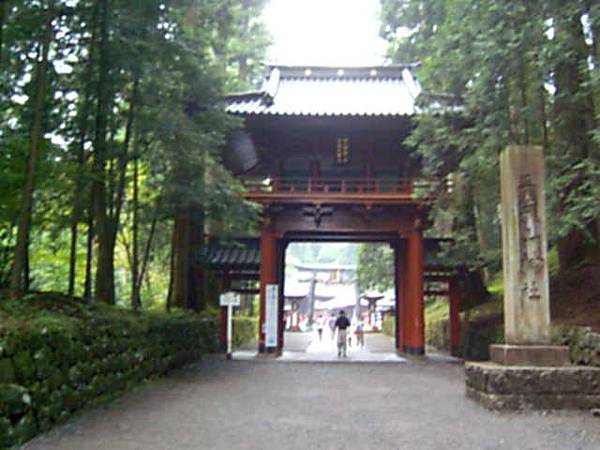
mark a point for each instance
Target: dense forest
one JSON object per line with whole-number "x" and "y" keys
{"x": 111, "y": 130}
{"x": 496, "y": 73}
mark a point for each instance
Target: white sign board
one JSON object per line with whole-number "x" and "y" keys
{"x": 271, "y": 315}
{"x": 229, "y": 299}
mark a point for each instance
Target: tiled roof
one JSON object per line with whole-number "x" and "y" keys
{"x": 241, "y": 253}
{"x": 329, "y": 91}
{"x": 244, "y": 254}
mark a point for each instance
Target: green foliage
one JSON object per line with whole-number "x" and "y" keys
{"x": 553, "y": 262}
{"x": 436, "y": 324}
{"x": 496, "y": 286}
{"x": 375, "y": 267}
{"x": 583, "y": 343}
{"x": 389, "y": 326}
{"x": 146, "y": 82}
{"x": 61, "y": 355}
{"x": 245, "y": 330}
{"x": 495, "y": 73}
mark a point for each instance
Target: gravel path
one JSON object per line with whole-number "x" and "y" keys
{"x": 217, "y": 404}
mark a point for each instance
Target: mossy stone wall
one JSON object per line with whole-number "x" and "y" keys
{"x": 50, "y": 369}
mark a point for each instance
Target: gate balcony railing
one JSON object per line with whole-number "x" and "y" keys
{"x": 330, "y": 186}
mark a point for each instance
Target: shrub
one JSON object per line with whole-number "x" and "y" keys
{"x": 245, "y": 330}
{"x": 58, "y": 355}
{"x": 389, "y": 326}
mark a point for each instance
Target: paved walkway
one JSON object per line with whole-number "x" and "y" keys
{"x": 307, "y": 347}
{"x": 219, "y": 404}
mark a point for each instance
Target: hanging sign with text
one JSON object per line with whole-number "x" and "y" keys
{"x": 271, "y": 314}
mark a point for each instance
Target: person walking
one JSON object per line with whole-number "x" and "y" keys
{"x": 331, "y": 323}
{"x": 320, "y": 326}
{"x": 342, "y": 323}
{"x": 360, "y": 332}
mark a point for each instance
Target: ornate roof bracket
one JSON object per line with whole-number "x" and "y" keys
{"x": 317, "y": 211}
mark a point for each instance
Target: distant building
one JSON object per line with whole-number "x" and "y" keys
{"x": 319, "y": 289}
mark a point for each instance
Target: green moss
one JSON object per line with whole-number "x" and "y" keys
{"x": 496, "y": 286}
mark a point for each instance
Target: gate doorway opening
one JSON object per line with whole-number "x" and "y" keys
{"x": 291, "y": 261}
{"x": 321, "y": 279}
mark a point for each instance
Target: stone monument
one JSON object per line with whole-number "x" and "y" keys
{"x": 527, "y": 371}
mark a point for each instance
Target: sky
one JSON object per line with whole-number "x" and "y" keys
{"x": 325, "y": 32}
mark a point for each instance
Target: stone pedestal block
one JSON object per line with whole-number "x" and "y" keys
{"x": 530, "y": 355}
{"x": 546, "y": 388}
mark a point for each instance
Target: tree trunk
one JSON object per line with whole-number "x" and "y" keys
{"x": 18, "y": 279}
{"x": 81, "y": 160}
{"x": 196, "y": 283}
{"x": 118, "y": 194}
{"x": 169, "y": 301}
{"x": 181, "y": 266}
{"x": 87, "y": 284}
{"x": 27, "y": 271}
{"x": 104, "y": 286}
{"x": 145, "y": 259}
{"x": 135, "y": 285}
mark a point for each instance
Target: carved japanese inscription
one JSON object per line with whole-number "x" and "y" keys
{"x": 526, "y": 300}
{"x": 531, "y": 262}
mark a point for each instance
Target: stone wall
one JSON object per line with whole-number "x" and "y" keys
{"x": 54, "y": 366}
{"x": 583, "y": 343}
{"x": 544, "y": 388}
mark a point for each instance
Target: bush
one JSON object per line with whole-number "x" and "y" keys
{"x": 583, "y": 343}
{"x": 389, "y": 326}
{"x": 58, "y": 355}
{"x": 245, "y": 330}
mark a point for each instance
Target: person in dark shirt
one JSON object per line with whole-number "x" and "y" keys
{"x": 342, "y": 323}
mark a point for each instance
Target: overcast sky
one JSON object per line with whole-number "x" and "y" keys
{"x": 325, "y": 32}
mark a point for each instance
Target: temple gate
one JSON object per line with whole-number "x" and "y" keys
{"x": 323, "y": 152}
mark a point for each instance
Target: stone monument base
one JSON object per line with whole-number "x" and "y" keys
{"x": 530, "y": 355}
{"x": 533, "y": 387}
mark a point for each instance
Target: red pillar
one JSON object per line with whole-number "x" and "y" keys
{"x": 454, "y": 301}
{"x": 268, "y": 275}
{"x": 401, "y": 263}
{"x": 414, "y": 337}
